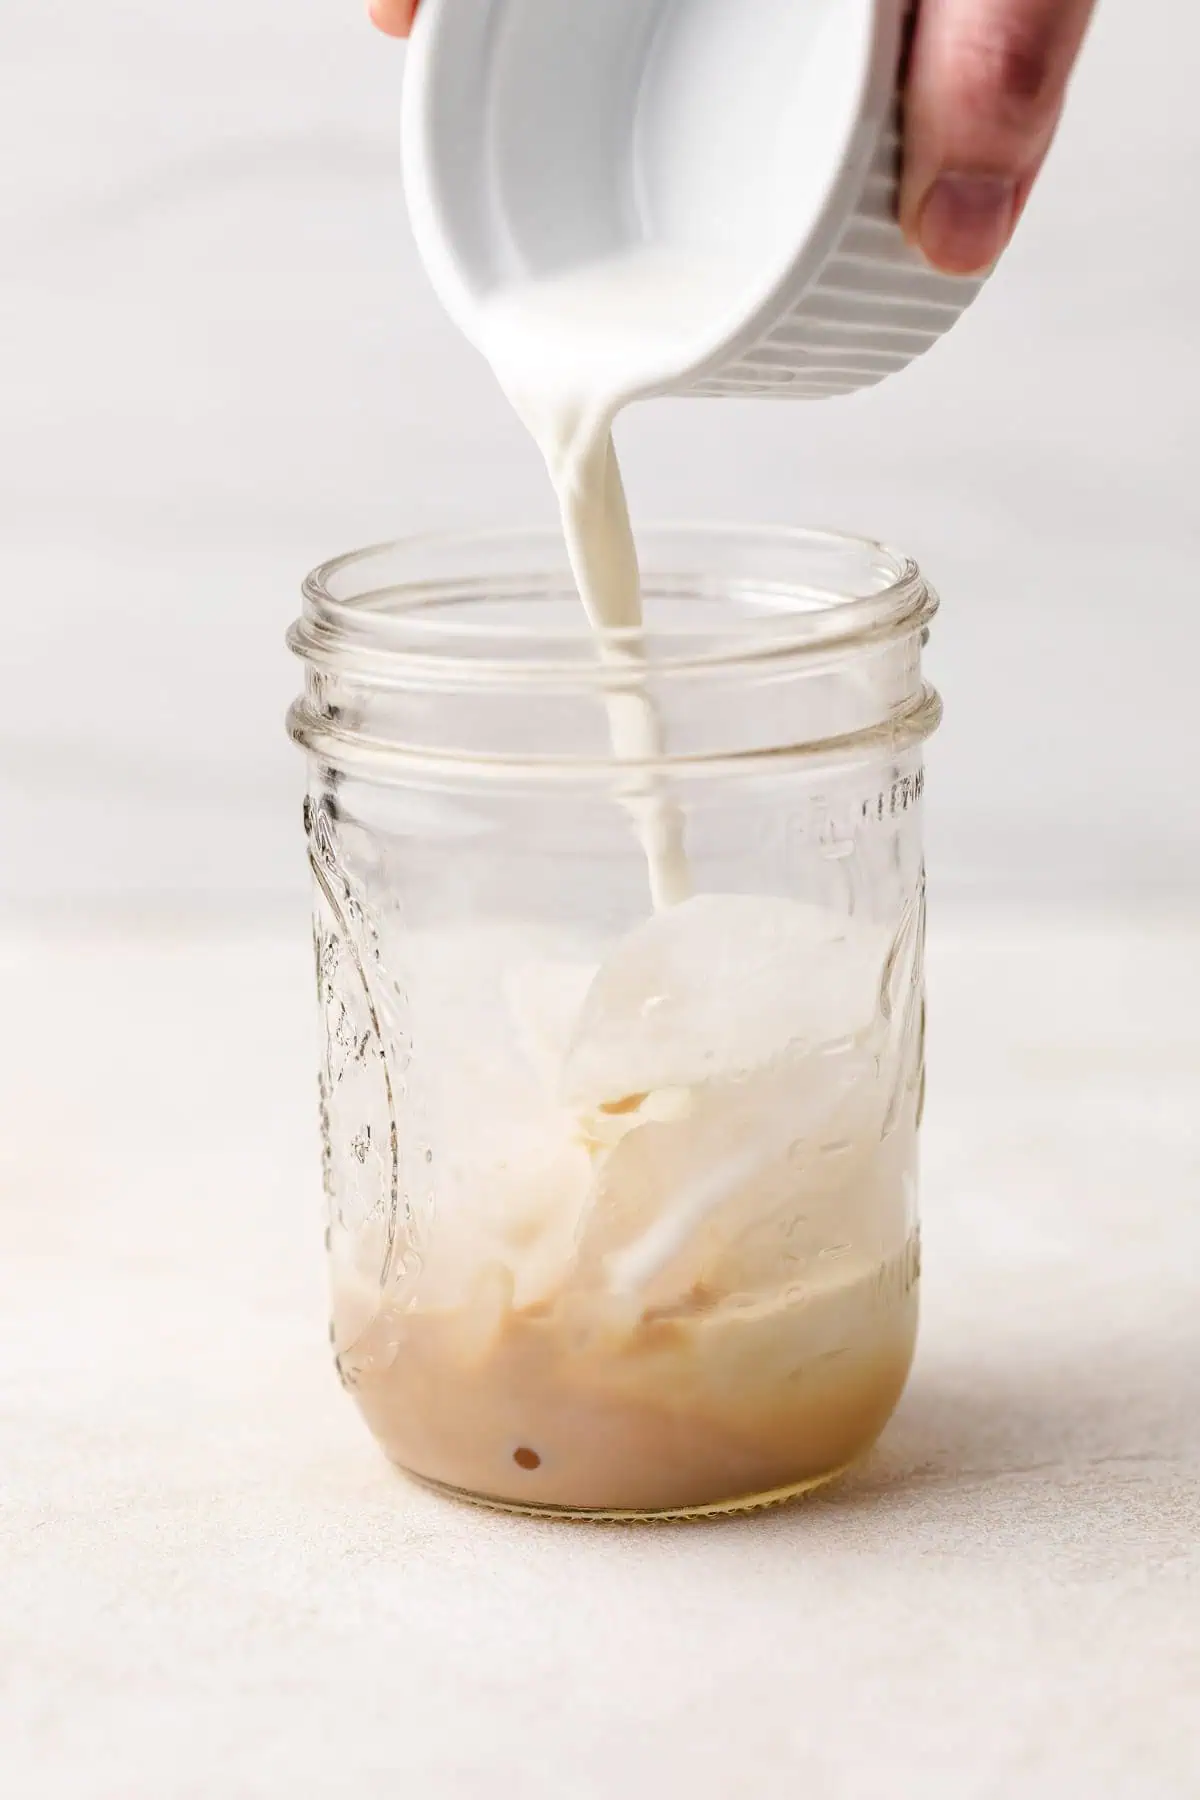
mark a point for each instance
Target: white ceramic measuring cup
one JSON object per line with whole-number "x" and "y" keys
{"x": 542, "y": 136}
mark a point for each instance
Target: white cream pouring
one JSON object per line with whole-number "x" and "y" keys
{"x": 571, "y": 352}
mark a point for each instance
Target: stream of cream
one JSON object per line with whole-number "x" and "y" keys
{"x": 570, "y": 353}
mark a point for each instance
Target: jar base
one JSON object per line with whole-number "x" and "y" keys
{"x": 604, "y": 1515}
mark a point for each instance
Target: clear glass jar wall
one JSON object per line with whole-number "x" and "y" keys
{"x": 622, "y": 1205}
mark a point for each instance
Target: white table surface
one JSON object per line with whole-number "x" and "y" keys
{"x": 212, "y": 1587}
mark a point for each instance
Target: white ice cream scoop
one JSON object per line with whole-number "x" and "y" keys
{"x": 748, "y": 148}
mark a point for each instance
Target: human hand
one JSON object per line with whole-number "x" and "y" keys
{"x": 393, "y": 16}
{"x": 986, "y": 84}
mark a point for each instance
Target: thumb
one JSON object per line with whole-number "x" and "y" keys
{"x": 393, "y": 16}
{"x": 986, "y": 86}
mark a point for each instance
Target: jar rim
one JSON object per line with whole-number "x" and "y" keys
{"x": 384, "y": 610}
{"x": 737, "y": 619}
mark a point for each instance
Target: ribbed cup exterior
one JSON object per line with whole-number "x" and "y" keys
{"x": 874, "y": 308}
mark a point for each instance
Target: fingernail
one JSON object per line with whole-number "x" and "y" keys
{"x": 966, "y": 221}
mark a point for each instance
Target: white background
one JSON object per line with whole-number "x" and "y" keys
{"x": 219, "y": 362}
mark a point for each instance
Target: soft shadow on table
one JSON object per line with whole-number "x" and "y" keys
{"x": 1109, "y": 1438}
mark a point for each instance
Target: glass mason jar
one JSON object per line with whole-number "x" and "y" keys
{"x": 621, "y": 1061}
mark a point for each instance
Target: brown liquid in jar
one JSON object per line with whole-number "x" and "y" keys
{"x": 561, "y": 1406}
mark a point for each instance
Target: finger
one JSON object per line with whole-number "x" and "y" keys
{"x": 393, "y": 16}
{"x": 985, "y": 89}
